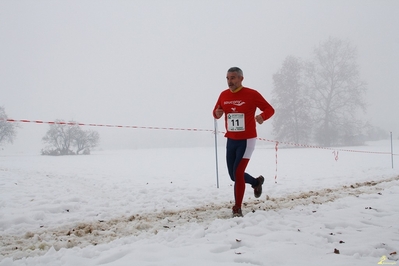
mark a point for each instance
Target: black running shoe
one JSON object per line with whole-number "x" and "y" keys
{"x": 258, "y": 188}
{"x": 237, "y": 212}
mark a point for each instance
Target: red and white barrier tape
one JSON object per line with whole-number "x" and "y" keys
{"x": 335, "y": 155}
{"x": 275, "y": 176}
{"x": 325, "y": 148}
{"x": 182, "y": 129}
{"x": 102, "y": 125}
{"x": 335, "y": 151}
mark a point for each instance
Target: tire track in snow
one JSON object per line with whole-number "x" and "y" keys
{"x": 100, "y": 232}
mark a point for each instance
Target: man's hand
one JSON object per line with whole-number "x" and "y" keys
{"x": 219, "y": 112}
{"x": 259, "y": 119}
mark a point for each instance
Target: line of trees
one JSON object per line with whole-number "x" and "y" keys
{"x": 62, "y": 138}
{"x": 319, "y": 100}
{"x": 67, "y": 138}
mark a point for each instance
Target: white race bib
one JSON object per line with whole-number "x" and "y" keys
{"x": 236, "y": 122}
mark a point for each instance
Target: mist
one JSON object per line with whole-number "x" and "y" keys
{"x": 163, "y": 63}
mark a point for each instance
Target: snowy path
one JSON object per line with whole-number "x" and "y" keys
{"x": 105, "y": 231}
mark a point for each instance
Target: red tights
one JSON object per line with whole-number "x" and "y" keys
{"x": 239, "y": 184}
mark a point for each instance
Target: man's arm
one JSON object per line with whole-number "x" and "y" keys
{"x": 266, "y": 108}
{"x": 218, "y": 112}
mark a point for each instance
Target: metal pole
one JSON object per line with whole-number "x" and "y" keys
{"x": 216, "y": 152}
{"x": 391, "y": 151}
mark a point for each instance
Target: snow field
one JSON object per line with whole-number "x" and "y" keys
{"x": 162, "y": 207}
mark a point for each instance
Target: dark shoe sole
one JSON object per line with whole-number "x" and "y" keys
{"x": 237, "y": 212}
{"x": 258, "y": 188}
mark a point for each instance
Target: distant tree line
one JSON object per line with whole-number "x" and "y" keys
{"x": 318, "y": 100}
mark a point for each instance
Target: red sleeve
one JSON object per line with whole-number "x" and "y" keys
{"x": 265, "y": 107}
{"x": 218, "y": 103}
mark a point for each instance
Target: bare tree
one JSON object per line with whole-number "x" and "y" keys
{"x": 335, "y": 92}
{"x": 84, "y": 140}
{"x": 60, "y": 137}
{"x": 7, "y": 129}
{"x": 63, "y": 136}
{"x": 292, "y": 120}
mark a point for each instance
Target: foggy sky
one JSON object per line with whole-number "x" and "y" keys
{"x": 163, "y": 63}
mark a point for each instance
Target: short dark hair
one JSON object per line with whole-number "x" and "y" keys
{"x": 237, "y": 70}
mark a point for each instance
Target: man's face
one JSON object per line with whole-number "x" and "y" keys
{"x": 234, "y": 80}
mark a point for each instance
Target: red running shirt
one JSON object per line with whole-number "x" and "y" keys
{"x": 239, "y": 112}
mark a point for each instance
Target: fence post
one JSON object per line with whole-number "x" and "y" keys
{"x": 391, "y": 150}
{"x": 216, "y": 152}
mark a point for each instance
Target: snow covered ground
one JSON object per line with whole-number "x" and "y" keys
{"x": 163, "y": 207}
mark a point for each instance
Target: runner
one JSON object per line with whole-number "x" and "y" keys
{"x": 239, "y": 105}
